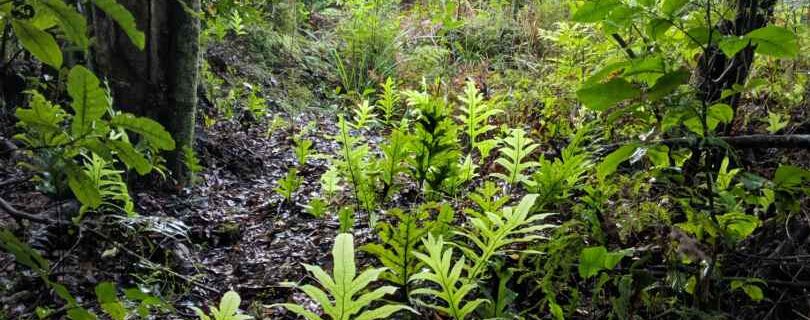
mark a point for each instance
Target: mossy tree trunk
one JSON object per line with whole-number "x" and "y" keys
{"x": 160, "y": 81}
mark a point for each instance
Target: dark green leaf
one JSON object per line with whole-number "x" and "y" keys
{"x": 671, "y": 7}
{"x": 667, "y": 84}
{"x": 131, "y": 157}
{"x": 601, "y": 96}
{"x": 732, "y": 44}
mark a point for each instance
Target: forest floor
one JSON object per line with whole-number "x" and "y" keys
{"x": 230, "y": 230}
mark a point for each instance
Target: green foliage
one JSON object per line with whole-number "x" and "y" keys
{"x": 317, "y": 208}
{"x": 370, "y": 45}
{"x": 45, "y": 14}
{"x": 434, "y": 143}
{"x": 516, "y": 148}
{"x": 475, "y": 114}
{"x": 192, "y": 163}
{"x": 492, "y": 233}
{"x": 395, "y": 154}
{"x": 592, "y": 260}
{"x": 453, "y": 288}
{"x": 302, "y": 150}
{"x": 289, "y": 185}
{"x": 113, "y": 190}
{"x": 59, "y": 137}
{"x": 487, "y": 198}
{"x": 363, "y": 115}
{"x": 399, "y": 241}
{"x": 343, "y": 285}
{"x": 330, "y": 182}
{"x": 554, "y": 180}
{"x": 346, "y": 219}
{"x": 228, "y": 309}
{"x": 354, "y": 166}
{"x": 388, "y": 101}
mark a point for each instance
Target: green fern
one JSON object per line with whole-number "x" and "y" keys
{"x": 353, "y": 164}
{"x": 435, "y": 142}
{"x": 488, "y": 198}
{"x": 288, "y": 186}
{"x": 395, "y": 153}
{"x": 517, "y": 148}
{"x": 363, "y": 115}
{"x": 388, "y": 100}
{"x": 399, "y": 242}
{"x": 475, "y": 114}
{"x": 302, "y": 150}
{"x": 192, "y": 163}
{"x": 453, "y": 288}
{"x": 492, "y": 232}
{"x": 343, "y": 285}
{"x": 228, "y": 309}
{"x": 554, "y": 180}
{"x": 108, "y": 181}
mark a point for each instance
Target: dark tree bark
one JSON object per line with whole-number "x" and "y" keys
{"x": 160, "y": 81}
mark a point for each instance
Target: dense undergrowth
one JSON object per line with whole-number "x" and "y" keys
{"x": 503, "y": 159}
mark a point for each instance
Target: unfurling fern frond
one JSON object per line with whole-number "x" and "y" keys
{"x": 343, "y": 285}
{"x": 453, "y": 288}
{"x": 517, "y": 148}
{"x": 388, "y": 100}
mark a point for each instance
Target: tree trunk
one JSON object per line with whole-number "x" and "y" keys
{"x": 160, "y": 81}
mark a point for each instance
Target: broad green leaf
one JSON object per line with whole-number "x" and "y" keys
{"x": 775, "y": 41}
{"x": 90, "y": 101}
{"x": 83, "y": 187}
{"x": 39, "y": 43}
{"x": 124, "y": 19}
{"x": 733, "y": 44}
{"x": 70, "y": 21}
{"x": 309, "y": 315}
{"x": 131, "y": 157}
{"x": 721, "y": 112}
{"x": 229, "y": 304}
{"x": 738, "y": 225}
{"x": 659, "y": 155}
{"x": 667, "y": 84}
{"x": 595, "y": 10}
{"x": 78, "y": 313}
{"x": 591, "y": 261}
{"x": 754, "y": 292}
{"x": 149, "y": 129}
{"x": 612, "y": 161}
{"x": 657, "y": 28}
{"x": 671, "y": 7}
{"x": 41, "y": 115}
{"x": 602, "y": 96}
{"x": 788, "y": 177}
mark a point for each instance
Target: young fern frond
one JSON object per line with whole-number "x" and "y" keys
{"x": 453, "y": 288}
{"x": 343, "y": 285}
{"x": 487, "y": 198}
{"x": 289, "y": 185}
{"x": 111, "y": 185}
{"x": 517, "y": 148}
{"x": 388, "y": 100}
{"x": 475, "y": 114}
{"x": 492, "y": 233}
{"x": 554, "y": 180}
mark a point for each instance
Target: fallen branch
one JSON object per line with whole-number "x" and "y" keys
{"x": 20, "y": 215}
